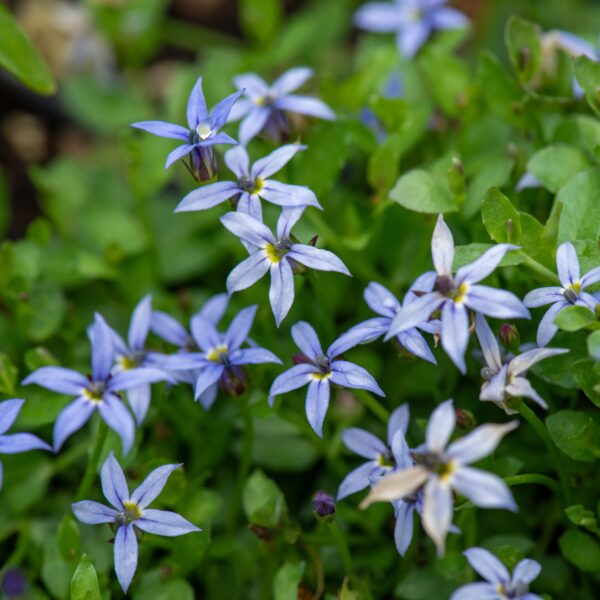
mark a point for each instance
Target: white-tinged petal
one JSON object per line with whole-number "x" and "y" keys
{"x": 397, "y": 485}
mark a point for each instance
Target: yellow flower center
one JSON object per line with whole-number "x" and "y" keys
{"x": 320, "y": 376}
{"x": 461, "y": 293}
{"x": 274, "y": 254}
{"x": 217, "y": 352}
{"x": 203, "y": 130}
{"x": 445, "y": 470}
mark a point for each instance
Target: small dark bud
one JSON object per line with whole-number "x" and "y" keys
{"x": 234, "y": 380}
{"x": 313, "y": 240}
{"x": 262, "y": 533}
{"x": 323, "y": 505}
{"x": 301, "y": 359}
{"x": 14, "y": 584}
{"x": 509, "y": 334}
{"x": 465, "y": 419}
{"x": 203, "y": 163}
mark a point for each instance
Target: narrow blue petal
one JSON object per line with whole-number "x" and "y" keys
{"x": 93, "y": 513}
{"x": 58, "y": 379}
{"x": 442, "y": 248}
{"x": 315, "y": 258}
{"x": 117, "y": 417}
{"x": 207, "y": 196}
{"x": 253, "y": 356}
{"x": 590, "y": 277}
{"x": 196, "y": 106}
{"x": 205, "y": 334}
{"x": 270, "y": 164}
{"x": 306, "y": 339}
{"x": 403, "y": 529}
{"x": 168, "y": 328}
{"x": 519, "y": 364}
{"x": 139, "y": 326}
{"x": 415, "y": 343}
{"x": 248, "y": 272}
{"x": 494, "y": 390}
{"x": 214, "y": 308}
{"x": 254, "y": 86}
{"x": 250, "y": 204}
{"x": 292, "y": 379}
{"x": 317, "y": 403}
{"x": 398, "y": 421}
{"x": 440, "y": 427}
{"x": 125, "y": 555}
{"x": 567, "y": 264}
{"x": 476, "y": 591}
{"x": 178, "y": 153}
{"x": 363, "y": 443}
{"x": 281, "y": 291}
{"x": 488, "y": 342}
{"x": 455, "y": 333}
{"x": 287, "y": 195}
{"x": 184, "y": 361}
{"x": 221, "y": 111}
{"x": 165, "y": 522}
{"x": 71, "y": 419}
{"x": 114, "y": 484}
{"x": 483, "y": 489}
{"x": 208, "y": 396}
{"x": 448, "y": 18}
{"x": 139, "y": 401}
{"x": 103, "y": 349}
{"x": 350, "y": 375}
{"x": 219, "y": 138}
{"x": 291, "y": 80}
{"x": 16, "y": 443}
{"x": 381, "y": 300}
{"x": 132, "y": 378}
{"x": 207, "y": 377}
{"x": 379, "y": 17}
{"x": 9, "y": 411}
{"x": 547, "y": 328}
{"x": 363, "y": 333}
{"x": 519, "y": 387}
{"x": 526, "y": 571}
{"x": 356, "y": 480}
{"x": 480, "y": 442}
{"x": 499, "y": 304}
{"x": 415, "y": 313}
{"x": 305, "y": 105}
{"x": 238, "y": 161}
{"x": 287, "y": 219}
{"x": 437, "y": 511}
{"x": 162, "y": 129}
{"x": 248, "y": 229}
{"x": 400, "y": 450}
{"x": 240, "y": 326}
{"x": 484, "y": 265}
{"x": 487, "y": 565}
{"x": 253, "y": 123}
{"x": 153, "y": 485}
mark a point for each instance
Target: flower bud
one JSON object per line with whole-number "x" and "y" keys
{"x": 204, "y": 163}
{"x": 465, "y": 419}
{"x": 301, "y": 359}
{"x": 234, "y": 380}
{"x": 323, "y": 505}
{"x": 14, "y": 584}
{"x": 509, "y": 335}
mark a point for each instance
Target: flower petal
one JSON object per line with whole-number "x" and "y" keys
{"x": 287, "y": 219}
{"x": 437, "y": 511}
{"x": 519, "y": 364}
{"x": 483, "y": 489}
{"x": 117, "y": 417}
{"x": 287, "y": 195}
{"x": 547, "y": 328}
{"x": 315, "y": 258}
{"x": 403, "y": 529}
{"x": 153, "y": 485}
{"x": 139, "y": 326}
{"x": 415, "y": 313}
{"x": 348, "y": 374}
{"x": 363, "y": 443}
{"x": 520, "y": 387}
{"x": 381, "y": 300}
{"x": 365, "y": 332}
{"x": 542, "y": 296}
{"x": 306, "y": 339}
{"x": 16, "y": 443}
{"x": 590, "y": 277}
{"x": 494, "y": 389}
{"x": 410, "y": 39}
{"x": 132, "y": 378}
{"x": 448, "y": 18}
{"x": 214, "y": 308}
{"x": 168, "y": 328}
{"x": 440, "y": 427}
{"x": 205, "y": 334}
{"x": 292, "y": 379}
{"x": 240, "y": 326}
{"x": 58, "y": 379}
{"x": 526, "y": 571}
{"x": 196, "y": 106}
{"x": 476, "y": 591}
{"x": 398, "y": 421}
{"x": 253, "y": 123}
{"x": 163, "y": 129}
{"x": 9, "y": 411}
{"x": 248, "y": 272}
{"x": 253, "y": 356}
{"x": 208, "y": 377}
{"x": 499, "y": 304}
{"x": 165, "y": 522}
{"x": 93, "y": 513}
{"x": 397, "y": 485}
{"x": 125, "y": 555}
{"x": 220, "y": 112}
{"x": 380, "y": 17}
{"x": 248, "y": 229}
{"x": 281, "y": 291}
{"x": 103, "y": 349}
{"x": 480, "y": 442}
{"x": 415, "y": 343}
{"x": 139, "y": 401}
{"x": 487, "y": 565}
{"x": 482, "y": 267}
{"x": 71, "y": 419}
{"x": 238, "y": 161}
{"x": 178, "y": 153}
{"x": 455, "y": 333}
{"x": 254, "y": 86}
{"x": 270, "y": 164}
{"x": 358, "y": 479}
{"x": 291, "y": 80}
{"x": 317, "y": 403}
{"x": 305, "y": 105}
{"x": 207, "y": 196}
{"x": 567, "y": 264}
{"x": 489, "y": 343}
{"x": 442, "y": 248}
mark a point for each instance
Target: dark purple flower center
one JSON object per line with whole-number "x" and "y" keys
{"x": 323, "y": 363}
{"x": 570, "y": 295}
{"x": 444, "y": 284}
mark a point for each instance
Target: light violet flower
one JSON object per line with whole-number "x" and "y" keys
{"x": 15, "y": 443}
{"x": 499, "y": 583}
{"x": 133, "y": 355}
{"x": 412, "y": 21}
{"x": 440, "y": 470}
{"x": 263, "y": 107}
{"x": 319, "y": 370}
{"x": 505, "y": 376}
{"x": 252, "y": 184}
{"x": 201, "y": 134}
{"x": 384, "y": 303}
{"x": 277, "y": 254}
{"x": 97, "y": 392}
{"x": 570, "y": 292}
{"x": 131, "y": 513}
{"x": 453, "y": 295}
{"x": 221, "y": 358}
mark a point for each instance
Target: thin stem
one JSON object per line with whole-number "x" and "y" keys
{"x": 343, "y": 549}
{"x": 541, "y": 270}
{"x": 541, "y": 430}
{"x": 92, "y": 466}
{"x": 380, "y": 411}
{"x": 318, "y": 566}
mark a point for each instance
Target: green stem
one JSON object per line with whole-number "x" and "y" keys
{"x": 541, "y": 270}
{"x": 343, "y": 549}
{"x": 382, "y": 413}
{"x": 92, "y": 467}
{"x": 542, "y": 432}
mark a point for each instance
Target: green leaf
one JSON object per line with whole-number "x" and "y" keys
{"x": 19, "y": 57}
{"x": 263, "y": 501}
{"x": 554, "y": 165}
{"x": 593, "y": 345}
{"x": 69, "y": 542}
{"x": 421, "y": 192}
{"x": 84, "y": 585}
{"x": 8, "y": 375}
{"x": 576, "y": 434}
{"x": 580, "y": 200}
{"x": 260, "y": 19}
{"x": 587, "y": 72}
{"x": 574, "y": 318}
{"x": 523, "y": 43}
{"x": 384, "y": 164}
{"x": 500, "y": 217}
{"x": 586, "y": 379}
{"x": 581, "y": 517}
{"x": 286, "y": 581}
{"x": 581, "y": 550}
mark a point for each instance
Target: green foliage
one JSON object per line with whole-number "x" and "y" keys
{"x": 84, "y": 585}
{"x": 421, "y": 191}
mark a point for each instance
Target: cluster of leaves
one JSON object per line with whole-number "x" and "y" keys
{"x": 468, "y": 126}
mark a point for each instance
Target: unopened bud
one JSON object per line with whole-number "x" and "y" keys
{"x": 203, "y": 163}
{"x": 262, "y": 533}
{"x": 323, "y": 505}
{"x": 234, "y": 380}
{"x": 313, "y": 240}
{"x": 301, "y": 359}
{"x": 465, "y": 419}
{"x": 15, "y": 584}
{"x": 509, "y": 334}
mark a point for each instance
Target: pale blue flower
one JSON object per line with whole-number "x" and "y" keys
{"x": 130, "y": 512}
{"x": 278, "y": 255}
{"x": 569, "y": 293}
{"x": 97, "y": 392}
{"x": 201, "y": 134}
{"x": 505, "y": 376}
{"x": 499, "y": 583}
{"x": 263, "y": 107}
{"x": 440, "y": 470}
{"x": 412, "y": 21}
{"x": 454, "y": 295}
{"x": 252, "y": 184}
{"x": 15, "y": 443}
{"x": 319, "y": 370}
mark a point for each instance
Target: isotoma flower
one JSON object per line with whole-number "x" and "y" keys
{"x": 412, "y": 21}
{"x": 505, "y": 376}
{"x": 252, "y": 184}
{"x": 221, "y": 358}
{"x": 570, "y": 293}
{"x": 279, "y": 255}
{"x": 499, "y": 583}
{"x": 384, "y": 303}
{"x": 97, "y": 392}
{"x": 319, "y": 370}
{"x": 439, "y": 470}
{"x": 453, "y": 295}
{"x": 263, "y": 107}
{"x": 201, "y": 134}
{"x": 15, "y": 443}
{"x": 133, "y": 355}
{"x": 130, "y": 513}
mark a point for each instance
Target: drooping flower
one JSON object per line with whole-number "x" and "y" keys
{"x": 15, "y": 443}
{"x": 384, "y": 303}
{"x": 319, "y": 370}
{"x": 412, "y": 21}
{"x": 499, "y": 583}
{"x": 570, "y": 293}
{"x": 439, "y": 470}
{"x": 277, "y": 254}
{"x": 252, "y": 184}
{"x": 97, "y": 392}
{"x": 221, "y": 358}
{"x": 453, "y": 295}
{"x": 133, "y": 355}
{"x": 201, "y": 134}
{"x": 263, "y": 107}
{"x": 130, "y": 513}
{"x": 505, "y": 376}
